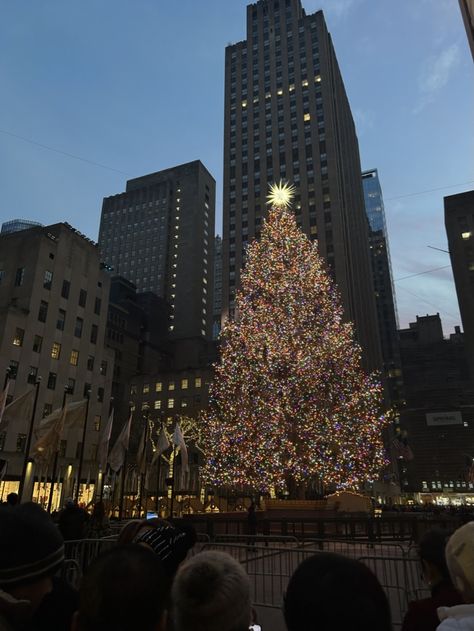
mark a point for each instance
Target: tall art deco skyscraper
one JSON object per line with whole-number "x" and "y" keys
{"x": 287, "y": 117}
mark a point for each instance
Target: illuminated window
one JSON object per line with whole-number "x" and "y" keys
{"x": 158, "y": 404}
{"x": 305, "y": 83}
{"x": 184, "y": 403}
{"x": 170, "y": 403}
{"x": 146, "y": 388}
{"x": 307, "y": 117}
{"x": 55, "y": 350}
{"x": 158, "y": 386}
{"x": 74, "y": 359}
{"x": 317, "y": 78}
{"x": 97, "y": 419}
{"x": 197, "y": 382}
{"x": 133, "y": 388}
{"x": 466, "y": 235}
{"x": 18, "y": 338}
{"x": 244, "y": 103}
{"x": 280, "y": 92}
{"x": 184, "y": 384}
{"x": 171, "y": 385}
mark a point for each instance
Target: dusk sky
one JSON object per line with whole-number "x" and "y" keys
{"x": 138, "y": 86}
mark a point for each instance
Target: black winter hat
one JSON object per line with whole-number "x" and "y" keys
{"x": 31, "y": 546}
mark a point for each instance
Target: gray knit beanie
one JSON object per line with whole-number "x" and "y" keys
{"x": 31, "y": 546}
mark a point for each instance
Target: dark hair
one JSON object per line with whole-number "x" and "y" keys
{"x": 125, "y": 588}
{"x": 432, "y": 549}
{"x": 12, "y": 499}
{"x": 330, "y": 592}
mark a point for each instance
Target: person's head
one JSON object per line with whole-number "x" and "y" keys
{"x": 432, "y": 555}
{"x": 330, "y": 592}
{"x": 170, "y": 542}
{"x": 211, "y": 593}
{"x": 12, "y": 499}
{"x": 69, "y": 503}
{"x": 124, "y": 588}
{"x": 98, "y": 512}
{"x": 460, "y": 560}
{"x": 31, "y": 552}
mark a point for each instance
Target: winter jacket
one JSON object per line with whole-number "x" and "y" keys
{"x": 458, "y": 618}
{"x": 422, "y": 615}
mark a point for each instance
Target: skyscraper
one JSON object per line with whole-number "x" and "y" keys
{"x": 217, "y": 300}
{"x": 159, "y": 234}
{"x": 383, "y": 283}
{"x": 459, "y": 222}
{"x": 15, "y": 225}
{"x": 287, "y": 116}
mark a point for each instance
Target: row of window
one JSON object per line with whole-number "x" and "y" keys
{"x": 184, "y": 384}
{"x": 21, "y": 446}
{"x": 170, "y": 404}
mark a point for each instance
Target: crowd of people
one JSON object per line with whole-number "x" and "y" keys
{"x": 150, "y": 582}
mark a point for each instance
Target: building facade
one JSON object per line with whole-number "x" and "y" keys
{"x": 159, "y": 235}
{"x": 287, "y": 117}
{"x": 54, "y": 295}
{"x": 217, "y": 296}
{"x": 438, "y": 419}
{"x": 459, "y": 222}
{"x": 467, "y": 11}
{"x": 383, "y": 283}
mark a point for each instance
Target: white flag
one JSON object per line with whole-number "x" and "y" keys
{"x": 161, "y": 446}
{"x": 178, "y": 440}
{"x": 48, "y": 444}
{"x": 118, "y": 451}
{"x": 3, "y": 399}
{"x": 104, "y": 442}
{"x": 75, "y": 415}
{"x": 19, "y": 410}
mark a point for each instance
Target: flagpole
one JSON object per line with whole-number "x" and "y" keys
{"x": 56, "y": 458}
{"x": 172, "y": 481}
{"x": 102, "y": 482}
{"x": 124, "y": 468}
{"x": 28, "y": 441}
{"x": 83, "y": 445}
{"x": 7, "y": 377}
{"x": 143, "y": 474}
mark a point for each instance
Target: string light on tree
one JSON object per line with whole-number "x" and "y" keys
{"x": 290, "y": 401}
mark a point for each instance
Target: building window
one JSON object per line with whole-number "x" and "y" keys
{"x": 82, "y": 298}
{"x": 94, "y": 333}
{"x": 466, "y": 235}
{"x": 146, "y": 388}
{"x": 61, "y": 320}
{"x": 47, "y": 279}
{"x": 133, "y": 388}
{"x": 62, "y": 448}
{"x": 103, "y": 368}
{"x": 170, "y": 403}
{"x": 3, "y": 438}
{"x": 74, "y": 359}
{"x": 90, "y": 362}
{"x": 52, "y": 377}
{"x": 47, "y": 409}
{"x": 197, "y": 382}
{"x": 2, "y": 275}
{"x": 18, "y": 337}
{"x": 71, "y": 385}
{"x": 13, "y": 368}
{"x": 158, "y": 386}
{"x": 32, "y": 374}
{"x": 87, "y": 390}
{"x": 184, "y": 384}
{"x": 171, "y": 385}
{"x": 100, "y": 394}
{"x": 78, "y": 327}
{"x": 37, "y": 343}
{"x": 65, "y": 289}
{"x": 43, "y": 311}
{"x": 97, "y": 420}
{"x": 55, "y": 350}
{"x": 157, "y": 404}
{"x": 78, "y": 450}
{"x": 21, "y": 443}
{"x": 19, "y": 276}
{"x": 97, "y": 306}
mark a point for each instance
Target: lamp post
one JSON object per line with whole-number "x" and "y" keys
{"x": 28, "y": 441}
{"x": 83, "y": 444}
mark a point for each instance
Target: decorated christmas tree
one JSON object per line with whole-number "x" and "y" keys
{"x": 290, "y": 401}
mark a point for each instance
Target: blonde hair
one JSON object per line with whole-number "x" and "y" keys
{"x": 211, "y": 593}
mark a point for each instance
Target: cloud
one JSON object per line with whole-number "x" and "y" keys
{"x": 436, "y": 72}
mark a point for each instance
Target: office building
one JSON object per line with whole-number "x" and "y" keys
{"x": 467, "y": 11}
{"x": 217, "y": 297}
{"x": 287, "y": 117}
{"x": 159, "y": 235}
{"x": 438, "y": 419}
{"x": 54, "y": 295}
{"x": 459, "y": 222}
{"x": 15, "y": 225}
{"x": 383, "y": 283}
